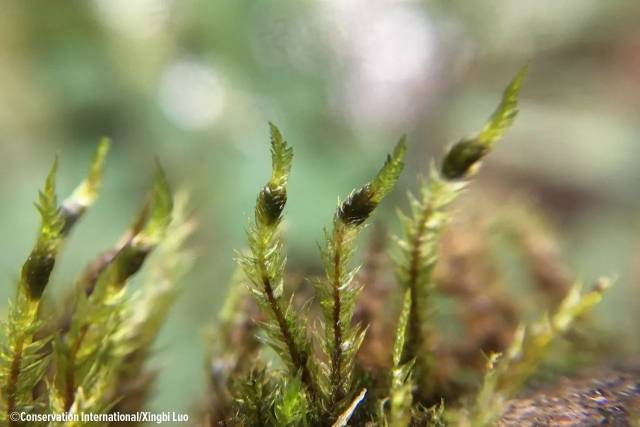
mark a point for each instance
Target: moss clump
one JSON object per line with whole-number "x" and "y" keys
{"x": 89, "y": 357}
{"x": 321, "y": 355}
{"x": 277, "y": 361}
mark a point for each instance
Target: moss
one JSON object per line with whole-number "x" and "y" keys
{"x": 333, "y": 387}
{"x": 77, "y": 362}
{"x": 97, "y": 350}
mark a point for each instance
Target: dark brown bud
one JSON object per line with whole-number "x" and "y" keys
{"x": 461, "y": 158}
{"x": 36, "y": 272}
{"x": 127, "y": 263}
{"x": 271, "y": 203}
{"x": 358, "y": 206}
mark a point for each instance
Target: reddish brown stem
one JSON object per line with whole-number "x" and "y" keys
{"x": 299, "y": 359}
{"x": 336, "y": 356}
{"x": 70, "y": 378}
{"x": 415, "y": 319}
{"x": 12, "y": 382}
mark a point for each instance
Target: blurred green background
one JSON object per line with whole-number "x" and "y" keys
{"x": 194, "y": 83}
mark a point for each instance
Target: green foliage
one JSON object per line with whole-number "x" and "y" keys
{"x": 273, "y": 197}
{"x": 508, "y": 372}
{"x": 160, "y": 289}
{"x": 99, "y": 333}
{"x": 338, "y": 292}
{"x": 416, "y": 262}
{"x": 94, "y": 357}
{"x": 37, "y": 269}
{"x": 428, "y": 216}
{"x": 147, "y": 310}
{"x": 83, "y": 361}
{"x": 264, "y": 267}
{"x": 326, "y": 384}
{"x": 459, "y": 162}
{"x": 329, "y": 388}
{"x": 87, "y": 192}
{"x": 290, "y": 408}
{"x": 255, "y": 399}
{"x": 361, "y": 202}
{"x": 401, "y": 397}
{"x": 24, "y": 358}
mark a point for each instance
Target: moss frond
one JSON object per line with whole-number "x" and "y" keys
{"x": 94, "y": 357}
{"x": 50, "y": 219}
{"x": 418, "y": 254}
{"x": 502, "y": 118}
{"x": 423, "y": 226}
{"x": 273, "y": 197}
{"x": 234, "y": 347}
{"x": 160, "y": 208}
{"x": 463, "y": 158}
{"x": 507, "y": 373}
{"x": 386, "y": 179}
{"x": 291, "y": 405}
{"x": 87, "y": 192}
{"x": 281, "y": 158}
{"x": 361, "y": 202}
{"x": 38, "y": 266}
{"x": 256, "y": 399}
{"x": 96, "y": 353}
{"x": 98, "y": 333}
{"x": 265, "y": 266}
{"x": 148, "y": 309}
{"x": 24, "y": 358}
{"x": 401, "y": 390}
{"x": 161, "y": 287}
{"x": 338, "y": 292}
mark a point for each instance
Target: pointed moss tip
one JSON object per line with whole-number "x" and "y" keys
{"x": 400, "y": 150}
{"x": 105, "y": 141}
{"x": 523, "y": 70}
{"x": 361, "y": 202}
{"x": 276, "y": 135}
{"x": 54, "y": 168}
{"x": 159, "y": 170}
{"x": 162, "y": 189}
{"x": 464, "y": 157}
{"x": 104, "y": 145}
{"x": 387, "y": 177}
{"x": 401, "y": 146}
{"x": 48, "y": 195}
{"x": 161, "y": 182}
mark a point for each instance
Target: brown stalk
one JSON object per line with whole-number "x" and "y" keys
{"x": 415, "y": 319}
{"x": 70, "y": 387}
{"x": 336, "y": 356}
{"x": 12, "y": 382}
{"x": 298, "y": 359}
